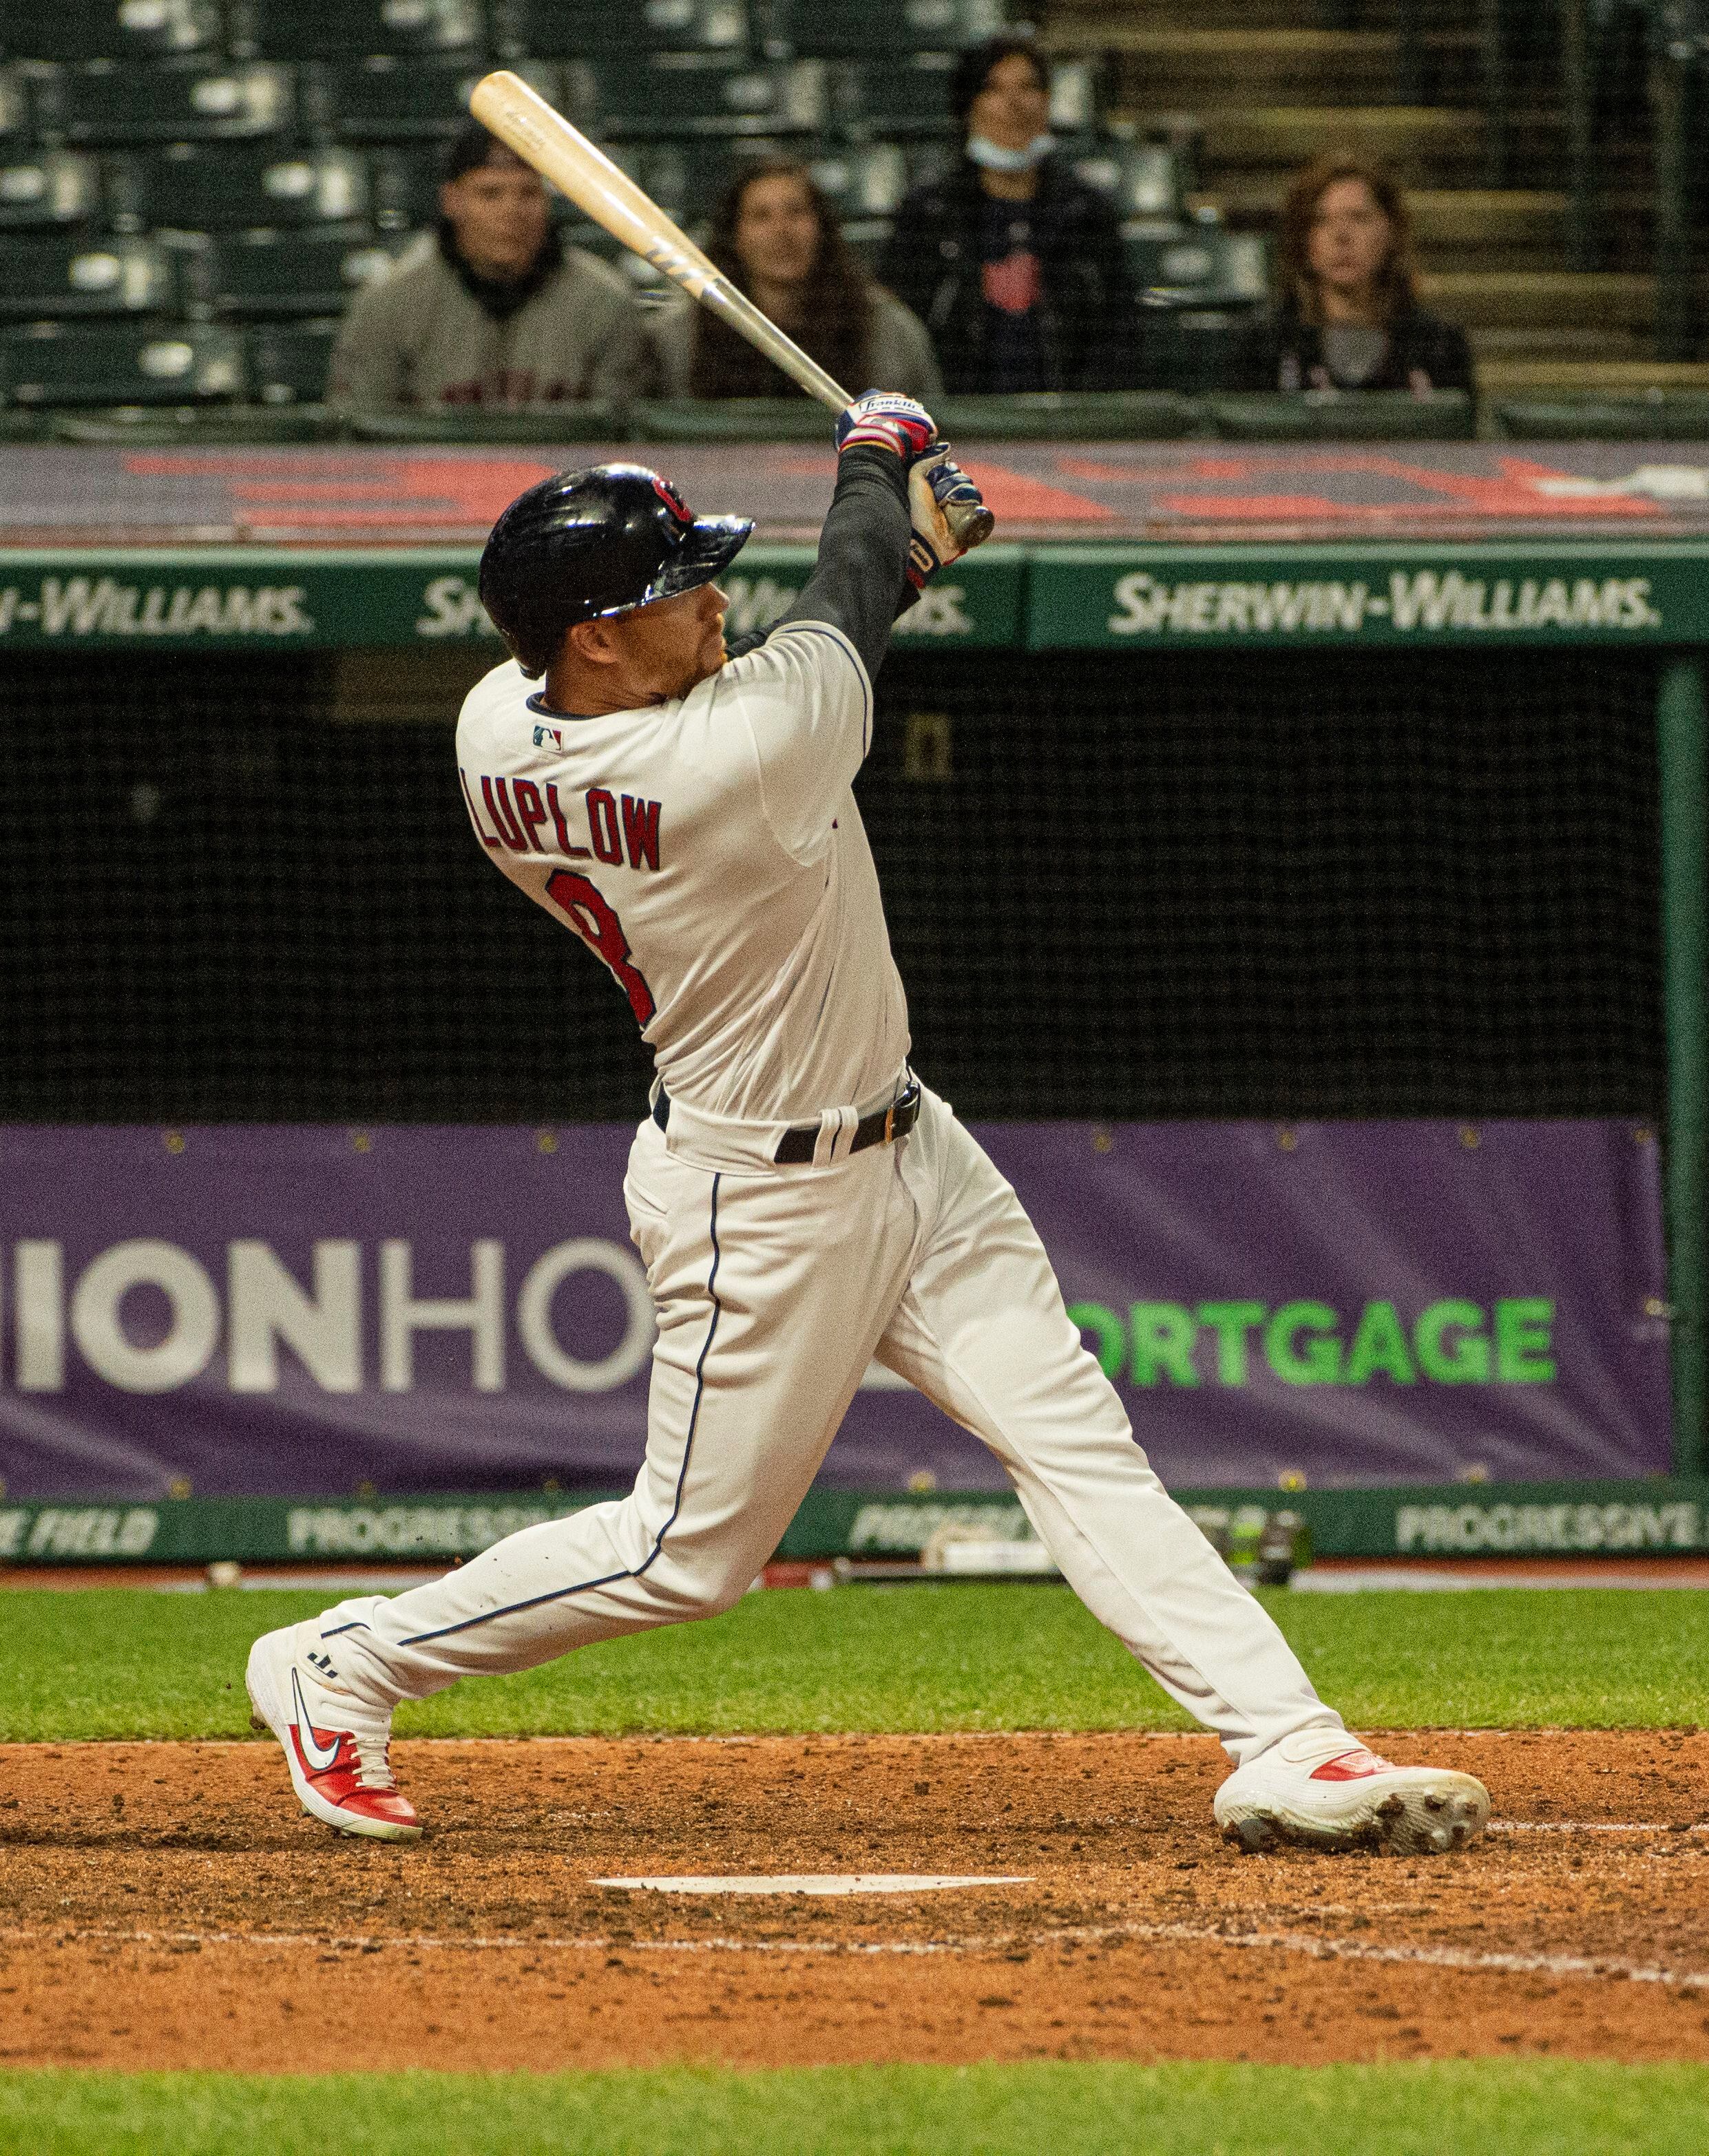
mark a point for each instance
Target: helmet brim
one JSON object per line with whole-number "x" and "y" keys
{"x": 705, "y": 551}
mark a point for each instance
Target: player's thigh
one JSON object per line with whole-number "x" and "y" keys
{"x": 770, "y": 1292}
{"x": 980, "y": 1328}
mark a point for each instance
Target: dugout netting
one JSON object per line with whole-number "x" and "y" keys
{"x": 1216, "y": 884}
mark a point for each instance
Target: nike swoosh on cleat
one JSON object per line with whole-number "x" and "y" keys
{"x": 317, "y": 1757}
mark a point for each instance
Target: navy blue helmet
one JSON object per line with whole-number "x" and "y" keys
{"x": 593, "y": 542}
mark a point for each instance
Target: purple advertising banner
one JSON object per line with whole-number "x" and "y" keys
{"x": 307, "y": 1310}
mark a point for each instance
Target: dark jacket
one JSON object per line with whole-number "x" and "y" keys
{"x": 1088, "y": 330}
{"x": 1281, "y": 350}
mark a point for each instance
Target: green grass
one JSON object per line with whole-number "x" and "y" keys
{"x": 126, "y": 1663}
{"x": 1519, "y": 2108}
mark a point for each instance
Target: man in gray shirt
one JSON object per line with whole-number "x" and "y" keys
{"x": 493, "y": 310}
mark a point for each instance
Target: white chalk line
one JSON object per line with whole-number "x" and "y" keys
{"x": 1463, "y": 1958}
{"x": 1594, "y": 1826}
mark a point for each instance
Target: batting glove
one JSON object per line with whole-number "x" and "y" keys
{"x": 887, "y": 422}
{"x": 948, "y": 513}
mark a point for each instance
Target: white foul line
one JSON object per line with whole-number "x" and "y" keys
{"x": 817, "y": 1882}
{"x": 1591, "y": 1826}
{"x": 1316, "y": 1949}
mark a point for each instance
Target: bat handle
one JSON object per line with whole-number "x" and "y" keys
{"x": 971, "y": 527}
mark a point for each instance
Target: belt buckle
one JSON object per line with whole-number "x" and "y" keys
{"x": 890, "y": 1122}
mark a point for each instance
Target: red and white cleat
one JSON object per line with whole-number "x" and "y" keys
{"x": 1322, "y": 1789}
{"x": 335, "y": 1746}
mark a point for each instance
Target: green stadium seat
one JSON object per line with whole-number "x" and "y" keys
{"x": 905, "y": 93}
{"x": 1189, "y": 345}
{"x": 667, "y": 94}
{"x": 17, "y": 118}
{"x": 350, "y": 29}
{"x": 732, "y": 419}
{"x": 52, "y": 364}
{"x": 196, "y": 102}
{"x": 1059, "y": 416}
{"x": 44, "y": 279}
{"x": 1199, "y": 263}
{"x": 1077, "y": 97}
{"x": 109, "y": 30}
{"x": 21, "y": 424}
{"x": 277, "y": 274}
{"x": 599, "y": 29}
{"x": 1659, "y": 415}
{"x": 196, "y": 187}
{"x": 1331, "y": 415}
{"x": 541, "y": 424}
{"x": 864, "y": 180}
{"x": 1143, "y": 179}
{"x": 850, "y": 29}
{"x": 53, "y": 188}
{"x": 385, "y": 100}
{"x": 288, "y": 362}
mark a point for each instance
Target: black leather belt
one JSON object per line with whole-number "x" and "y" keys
{"x": 796, "y": 1147}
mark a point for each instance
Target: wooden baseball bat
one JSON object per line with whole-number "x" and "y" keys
{"x": 524, "y": 122}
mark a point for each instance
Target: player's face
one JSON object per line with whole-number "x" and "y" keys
{"x": 1350, "y": 239}
{"x": 777, "y": 233}
{"x": 498, "y": 213}
{"x": 1012, "y": 107}
{"x": 665, "y": 648}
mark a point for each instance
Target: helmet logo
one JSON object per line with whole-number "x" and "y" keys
{"x": 673, "y": 501}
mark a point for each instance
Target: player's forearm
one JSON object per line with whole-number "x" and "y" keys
{"x": 859, "y": 583}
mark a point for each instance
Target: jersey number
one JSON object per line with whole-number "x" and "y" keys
{"x": 591, "y": 917}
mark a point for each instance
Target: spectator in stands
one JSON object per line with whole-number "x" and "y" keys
{"x": 493, "y": 310}
{"x": 1012, "y": 262}
{"x": 1348, "y": 316}
{"x": 777, "y": 238}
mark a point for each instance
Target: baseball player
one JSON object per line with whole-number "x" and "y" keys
{"x": 803, "y": 1203}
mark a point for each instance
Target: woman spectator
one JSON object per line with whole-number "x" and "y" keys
{"x": 1012, "y": 262}
{"x": 777, "y": 238}
{"x": 1348, "y": 316}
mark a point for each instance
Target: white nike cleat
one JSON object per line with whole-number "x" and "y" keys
{"x": 335, "y": 1746}
{"x": 1322, "y": 1789}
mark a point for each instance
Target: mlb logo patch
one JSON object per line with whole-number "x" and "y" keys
{"x": 543, "y": 734}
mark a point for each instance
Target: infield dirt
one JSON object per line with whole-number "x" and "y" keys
{"x": 169, "y": 1905}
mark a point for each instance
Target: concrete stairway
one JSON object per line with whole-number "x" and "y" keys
{"x": 1273, "y": 85}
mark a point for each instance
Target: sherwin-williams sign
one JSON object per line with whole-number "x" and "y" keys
{"x": 311, "y": 1310}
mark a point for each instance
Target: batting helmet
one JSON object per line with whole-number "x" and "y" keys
{"x": 593, "y": 542}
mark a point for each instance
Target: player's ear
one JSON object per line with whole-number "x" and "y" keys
{"x": 594, "y": 642}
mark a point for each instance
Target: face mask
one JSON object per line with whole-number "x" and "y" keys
{"x": 996, "y": 158}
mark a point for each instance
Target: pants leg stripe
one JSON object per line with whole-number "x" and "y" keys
{"x": 586, "y": 1586}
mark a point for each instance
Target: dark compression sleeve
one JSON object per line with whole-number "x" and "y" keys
{"x": 859, "y": 583}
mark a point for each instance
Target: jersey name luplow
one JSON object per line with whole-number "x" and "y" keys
{"x": 526, "y": 817}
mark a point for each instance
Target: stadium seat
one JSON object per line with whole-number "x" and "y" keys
{"x": 288, "y": 362}
{"x": 197, "y": 101}
{"x": 391, "y": 100}
{"x": 109, "y": 30}
{"x": 1201, "y": 263}
{"x": 44, "y": 279}
{"x": 663, "y": 94}
{"x": 278, "y": 273}
{"x": 1077, "y": 97}
{"x": 903, "y": 94}
{"x": 864, "y": 181}
{"x": 1056, "y": 416}
{"x": 54, "y": 188}
{"x": 53, "y": 363}
{"x": 1189, "y": 345}
{"x": 541, "y": 423}
{"x": 847, "y": 29}
{"x": 350, "y": 29}
{"x": 1143, "y": 179}
{"x": 17, "y": 120}
{"x": 597, "y": 29}
{"x": 1332, "y": 415}
{"x": 732, "y": 419}
{"x": 195, "y": 189}
{"x": 1659, "y": 415}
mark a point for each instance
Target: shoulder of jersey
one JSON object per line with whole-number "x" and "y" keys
{"x": 505, "y": 690}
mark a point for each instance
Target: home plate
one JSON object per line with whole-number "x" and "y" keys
{"x": 820, "y": 1882}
